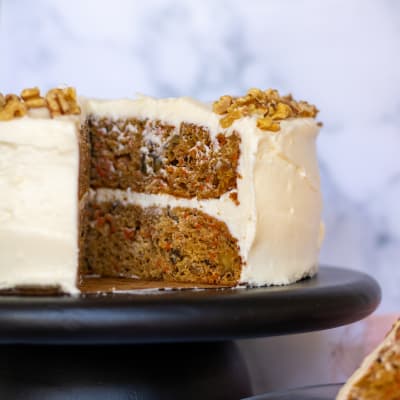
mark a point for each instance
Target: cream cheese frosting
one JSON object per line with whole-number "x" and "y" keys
{"x": 39, "y": 165}
{"x": 278, "y": 219}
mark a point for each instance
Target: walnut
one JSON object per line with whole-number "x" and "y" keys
{"x": 272, "y": 94}
{"x": 267, "y": 124}
{"x": 307, "y": 110}
{"x": 244, "y": 101}
{"x": 256, "y": 93}
{"x": 62, "y": 102}
{"x": 267, "y": 105}
{"x": 282, "y": 111}
{"x": 30, "y": 93}
{"x": 12, "y": 107}
{"x": 36, "y": 102}
{"x": 52, "y": 102}
{"x": 230, "y": 118}
{"x": 222, "y": 105}
{"x": 32, "y": 98}
{"x": 12, "y": 97}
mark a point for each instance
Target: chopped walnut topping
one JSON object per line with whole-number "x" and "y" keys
{"x": 267, "y": 124}
{"x": 230, "y": 118}
{"x": 223, "y": 104}
{"x": 62, "y": 102}
{"x": 12, "y": 98}
{"x": 58, "y": 101}
{"x": 269, "y": 106}
{"x": 30, "y": 93}
{"x": 11, "y": 106}
{"x": 36, "y": 102}
{"x": 32, "y": 98}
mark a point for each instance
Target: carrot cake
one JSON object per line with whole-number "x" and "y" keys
{"x": 378, "y": 378}
{"x": 180, "y": 191}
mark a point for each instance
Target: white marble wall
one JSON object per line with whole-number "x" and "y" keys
{"x": 342, "y": 55}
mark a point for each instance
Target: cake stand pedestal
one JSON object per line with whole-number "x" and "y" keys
{"x": 162, "y": 345}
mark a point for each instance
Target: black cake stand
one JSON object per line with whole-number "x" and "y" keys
{"x": 165, "y": 344}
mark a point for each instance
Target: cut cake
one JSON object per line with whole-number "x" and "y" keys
{"x": 170, "y": 190}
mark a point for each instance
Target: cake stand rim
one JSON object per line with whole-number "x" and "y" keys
{"x": 335, "y": 297}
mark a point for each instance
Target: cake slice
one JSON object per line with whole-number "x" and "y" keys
{"x": 378, "y": 378}
{"x": 42, "y": 186}
{"x": 184, "y": 191}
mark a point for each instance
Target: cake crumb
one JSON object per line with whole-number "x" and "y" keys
{"x": 234, "y": 197}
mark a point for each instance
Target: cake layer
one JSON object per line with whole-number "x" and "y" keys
{"x": 150, "y": 156}
{"x": 39, "y": 203}
{"x": 160, "y": 243}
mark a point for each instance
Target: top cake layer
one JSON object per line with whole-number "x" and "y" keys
{"x": 180, "y": 146}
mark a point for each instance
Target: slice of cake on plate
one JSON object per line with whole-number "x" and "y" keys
{"x": 180, "y": 191}
{"x": 378, "y": 377}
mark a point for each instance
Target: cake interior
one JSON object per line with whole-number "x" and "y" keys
{"x": 153, "y": 242}
{"x": 379, "y": 375}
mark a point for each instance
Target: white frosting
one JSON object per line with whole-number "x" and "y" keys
{"x": 288, "y": 206}
{"x": 278, "y": 221}
{"x": 172, "y": 110}
{"x": 39, "y": 163}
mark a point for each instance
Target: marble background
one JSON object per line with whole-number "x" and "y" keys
{"x": 342, "y": 55}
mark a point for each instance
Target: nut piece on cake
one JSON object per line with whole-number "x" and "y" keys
{"x": 59, "y": 101}
{"x": 11, "y": 107}
{"x": 378, "y": 377}
{"x": 269, "y": 107}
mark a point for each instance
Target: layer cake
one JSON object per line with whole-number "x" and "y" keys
{"x": 180, "y": 191}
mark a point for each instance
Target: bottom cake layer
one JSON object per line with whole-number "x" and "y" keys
{"x": 160, "y": 243}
